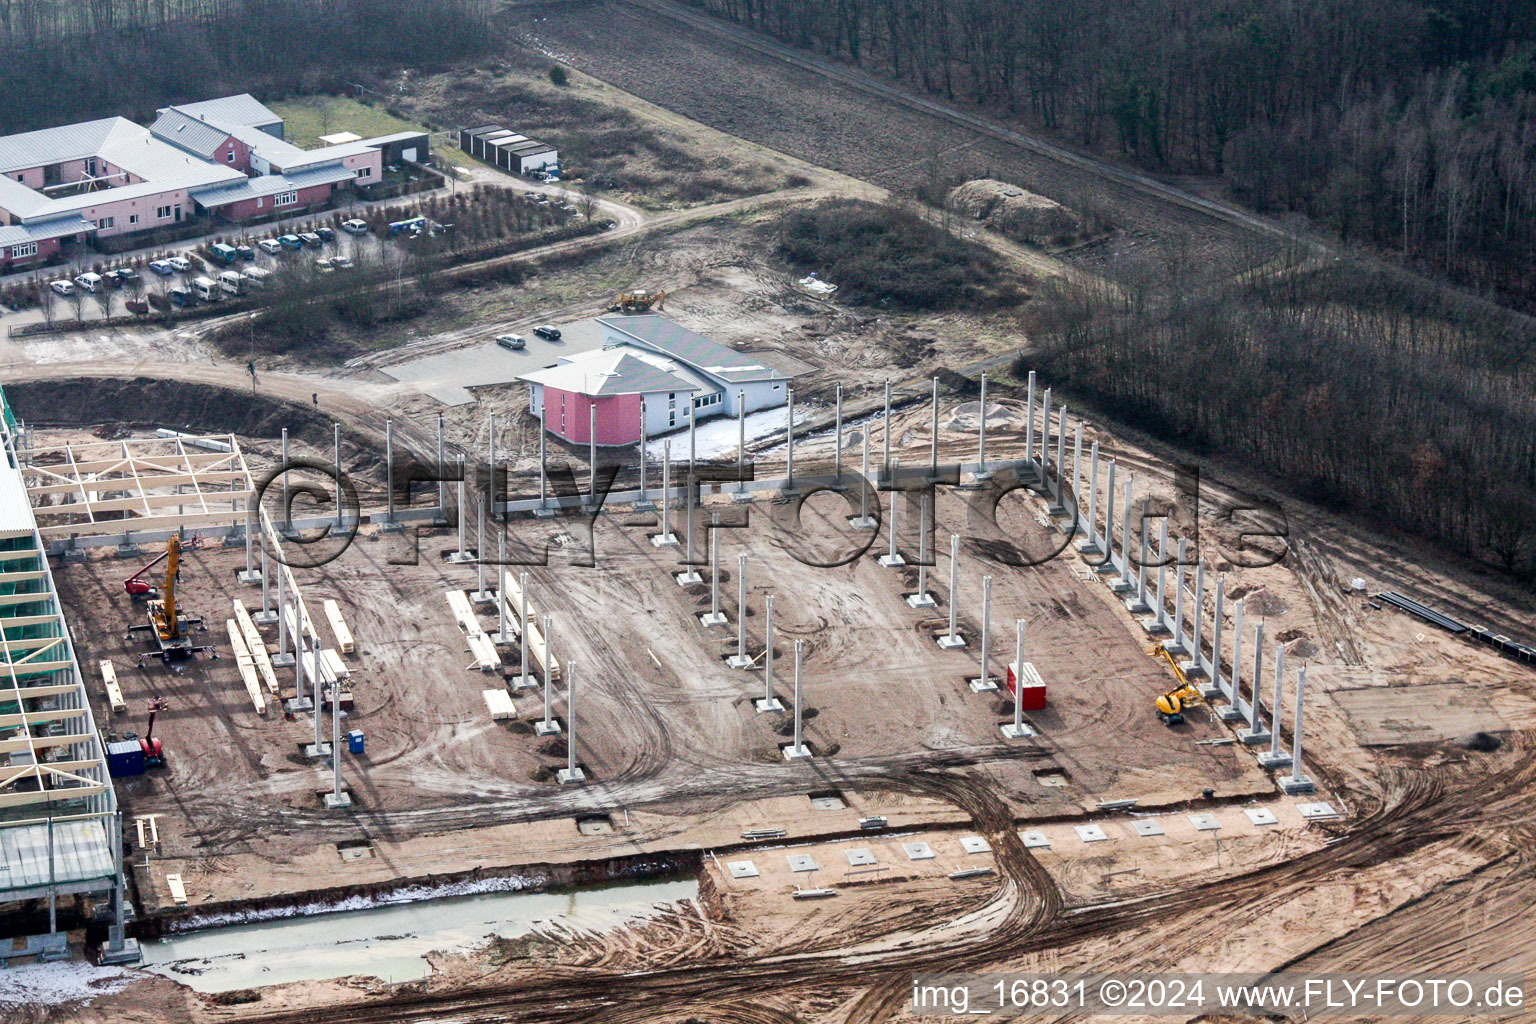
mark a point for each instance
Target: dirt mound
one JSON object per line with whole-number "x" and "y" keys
{"x": 966, "y": 417}
{"x": 1013, "y": 212}
{"x": 145, "y": 402}
{"x": 1481, "y": 742}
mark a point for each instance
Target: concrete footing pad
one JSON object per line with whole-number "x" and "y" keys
{"x": 521, "y": 684}
{"x": 921, "y": 601}
{"x": 741, "y": 497}
{"x": 570, "y": 776}
{"x": 765, "y": 705}
{"x": 252, "y": 578}
{"x": 1022, "y": 732}
{"x": 688, "y": 579}
{"x": 951, "y": 643}
{"x": 1280, "y": 760}
{"x": 714, "y": 619}
{"x": 739, "y": 661}
{"x": 130, "y": 953}
{"x": 864, "y": 523}
{"x": 549, "y": 728}
{"x": 1249, "y": 738}
{"x": 663, "y": 540}
{"x": 987, "y": 685}
{"x": 317, "y": 751}
{"x": 892, "y": 561}
{"x": 643, "y": 506}
{"x": 1296, "y": 784}
{"x": 337, "y": 801}
{"x": 794, "y": 753}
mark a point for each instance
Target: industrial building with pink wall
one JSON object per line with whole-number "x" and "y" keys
{"x": 651, "y": 365}
{"x": 224, "y": 158}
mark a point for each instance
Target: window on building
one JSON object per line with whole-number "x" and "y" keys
{"x": 90, "y": 165}
{"x": 706, "y": 401}
{"x": 106, "y": 222}
{"x": 24, "y": 249}
{"x": 285, "y": 199}
{"x": 133, "y": 218}
{"x": 230, "y": 156}
{"x": 162, "y": 213}
{"x": 365, "y": 172}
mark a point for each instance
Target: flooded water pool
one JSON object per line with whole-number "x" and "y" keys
{"x": 390, "y": 942}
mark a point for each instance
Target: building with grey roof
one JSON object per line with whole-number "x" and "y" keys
{"x": 653, "y": 369}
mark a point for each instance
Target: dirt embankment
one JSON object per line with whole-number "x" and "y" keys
{"x": 143, "y": 403}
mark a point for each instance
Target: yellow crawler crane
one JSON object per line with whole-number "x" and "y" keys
{"x": 1172, "y": 705}
{"x": 168, "y": 628}
{"x": 162, "y": 611}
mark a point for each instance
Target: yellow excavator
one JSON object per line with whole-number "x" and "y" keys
{"x": 167, "y": 627}
{"x": 1172, "y": 705}
{"x": 637, "y": 301}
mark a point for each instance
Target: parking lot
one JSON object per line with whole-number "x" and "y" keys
{"x": 447, "y": 375}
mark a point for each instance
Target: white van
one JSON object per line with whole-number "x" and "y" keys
{"x": 255, "y": 277}
{"x": 91, "y": 282}
{"x": 231, "y": 282}
{"x": 206, "y": 289}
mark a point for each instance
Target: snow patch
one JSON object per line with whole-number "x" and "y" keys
{"x": 69, "y": 981}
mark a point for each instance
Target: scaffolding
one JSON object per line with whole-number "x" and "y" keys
{"x": 59, "y": 828}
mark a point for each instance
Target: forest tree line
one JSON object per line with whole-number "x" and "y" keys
{"x": 1360, "y": 388}
{"x": 1406, "y": 124}
{"x": 63, "y": 62}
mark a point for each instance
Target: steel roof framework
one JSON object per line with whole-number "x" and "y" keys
{"x": 113, "y": 488}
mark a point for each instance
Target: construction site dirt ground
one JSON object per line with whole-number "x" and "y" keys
{"x": 663, "y": 722}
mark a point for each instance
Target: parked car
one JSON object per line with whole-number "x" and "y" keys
{"x": 355, "y": 226}
{"x": 137, "y": 306}
{"x": 309, "y": 237}
{"x": 547, "y": 331}
{"x": 90, "y": 282}
{"x": 179, "y": 264}
{"x": 326, "y": 234}
{"x": 180, "y": 296}
{"x": 162, "y": 267}
{"x": 291, "y": 241}
{"x": 62, "y": 287}
{"x": 256, "y": 277}
{"x": 221, "y": 253}
{"x": 342, "y": 262}
{"x": 245, "y": 252}
{"x": 512, "y": 342}
{"x": 127, "y": 274}
{"x": 231, "y": 282}
{"x": 270, "y": 246}
{"x": 323, "y": 264}
{"x": 207, "y": 289}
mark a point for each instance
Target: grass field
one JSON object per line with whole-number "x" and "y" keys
{"x": 309, "y": 117}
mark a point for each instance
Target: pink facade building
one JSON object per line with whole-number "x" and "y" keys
{"x": 653, "y": 370}
{"x": 224, "y": 158}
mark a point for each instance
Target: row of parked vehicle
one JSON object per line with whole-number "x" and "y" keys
{"x": 229, "y": 282}
{"x": 93, "y": 282}
{"x": 516, "y": 342}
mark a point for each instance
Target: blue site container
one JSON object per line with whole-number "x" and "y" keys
{"x": 125, "y": 758}
{"x": 355, "y": 741}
